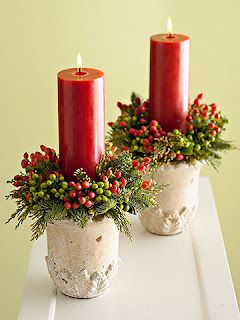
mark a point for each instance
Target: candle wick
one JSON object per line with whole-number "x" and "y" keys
{"x": 79, "y": 70}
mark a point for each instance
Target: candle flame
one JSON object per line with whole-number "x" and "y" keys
{"x": 79, "y": 62}
{"x": 169, "y": 26}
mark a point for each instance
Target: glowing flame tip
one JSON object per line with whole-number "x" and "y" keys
{"x": 169, "y": 25}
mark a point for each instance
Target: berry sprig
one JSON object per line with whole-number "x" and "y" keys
{"x": 135, "y": 131}
{"x": 43, "y": 193}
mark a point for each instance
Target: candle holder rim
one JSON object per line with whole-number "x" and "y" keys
{"x": 182, "y": 164}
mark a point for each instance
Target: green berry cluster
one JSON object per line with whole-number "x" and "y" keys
{"x": 43, "y": 193}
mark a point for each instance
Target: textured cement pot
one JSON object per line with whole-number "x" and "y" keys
{"x": 82, "y": 261}
{"x": 177, "y": 202}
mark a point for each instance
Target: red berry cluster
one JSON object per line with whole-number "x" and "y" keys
{"x": 38, "y": 158}
{"x": 143, "y": 133}
{"x": 202, "y": 114}
{"x": 144, "y": 136}
{"x": 79, "y": 194}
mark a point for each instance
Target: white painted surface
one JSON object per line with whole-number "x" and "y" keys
{"x": 183, "y": 277}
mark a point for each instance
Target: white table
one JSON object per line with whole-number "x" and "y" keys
{"x": 183, "y": 277}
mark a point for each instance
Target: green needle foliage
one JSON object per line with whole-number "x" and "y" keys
{"x": 43, "y": 195}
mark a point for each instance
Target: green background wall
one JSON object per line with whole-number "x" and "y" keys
{"x": 39, "y": 38}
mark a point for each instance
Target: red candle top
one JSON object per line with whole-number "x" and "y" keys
{"x": 81, "y": 120}
{"x": 86, "y": 74}
{"x": 169, "y": 80}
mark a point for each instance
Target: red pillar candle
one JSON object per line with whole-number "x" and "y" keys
{"x": 169, "y": 80}
{"x": 81, "y": 120}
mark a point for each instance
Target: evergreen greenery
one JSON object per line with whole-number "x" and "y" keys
{"x": 43, "y": 195}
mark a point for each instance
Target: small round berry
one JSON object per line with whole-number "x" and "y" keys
{"x": 122, "y": 124}
{"x": 25, "y": 155}
{"x": 32, "y": 189}
{"x": 146, "y": 184}
{"x": 78, "y": 186}
{"x": 43, "y": 185}
{"x": 41, "y": 194}
{"x": 49, "y": 182}
{"x": 61, "y": 177}
{"x": 176, "y": 131}
{"x": 197, "y": 147}
{"x": 16, "y": 183}
{"x": 118, "y": 174}
{"x": 67, "y": 205}
{"x": 135, "y": 163}
{"x": 71, "y": 184}
{"x": 141, "y": 109}
{"x": 211, "y": 125}
{"x": 85, "y": 184}
{"x": 72, "y": 194}
{"x": 100, "y": 184}
{"x": 99, "y": 191}
{"x": 17, "y": 177}
{"x": 145, "y": 142}
{"x": 88, "y": 204}
{"x": 214, "y": 107}
{"x": 157, "y": 135}
{"x": 94, "y": 186}
{"x": 47, "y": 197}
{"x": 99, "y": 198}
{"x": 75, "y": 205}
{"x": 190, "y": 127}
{"x": 106, "y": 185}
{"x": 132, "y": 131}
{"x": 91, "y": 195}
{"x": 52, "y": 177}
{"x": 137, "y": 100}
{"x": 154, "y": 123}
{"x": 43, "y": 148}
{"x": 108, "y": 193}
{"x": 53, "y": 190}
{"x": 218, "y": 130}
{"x": 217, "y": 116}
{"x": 123, "y": 182}
{"x": 61, "y": 191}
{"x": 24, "y": 163}
{"x": 109, "y": 172}
{"x": 179, "y": 157}
{"x": 204, "y": 114}
{"x": 213, "y": 132}
{"x": 82, "y": 200}
{"x": 105, "y": 179}
{"x": 197, "y": 102}
{"x": 32, "y": 182}
{"x": 140, "y": 167}
{"x": 146, "y": 160}
{"x": 113, "y": 189}
{"x": 35, "y": 176}
{"x": 153, "y": 129}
